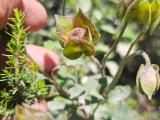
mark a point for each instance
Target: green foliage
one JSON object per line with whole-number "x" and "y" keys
{"x": 21, "y": 84}
{"x": 81, "y": 78}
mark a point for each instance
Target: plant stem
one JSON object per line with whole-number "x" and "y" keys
{"x": 120, "y": 69}
{"x": 95, "y": 60}
{"x": 60, "y": 90}
{"x": 146, "y": 58}
{"x": 63, "y": 7}
{"x": 143, "y": 54}
{"x": 124, "y": 25}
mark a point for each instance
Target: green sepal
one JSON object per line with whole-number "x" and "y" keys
{"x": 75, "y": 48}
{"x": 138, "y": 84}
{"x": 144, "y": 12}
{"x": 64, "y": 24}
{"x": 81, "y": 20}
{"x": 87, "y": 36}
{"x": 88, "y": 49}
{"x": 156, "y": 68}
{"x": 72, "y": 50}
{"x": 155, "y": 14}
{"x": 132, "y": 11}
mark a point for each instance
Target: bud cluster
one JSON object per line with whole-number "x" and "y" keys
{"x": 143, "y": 11}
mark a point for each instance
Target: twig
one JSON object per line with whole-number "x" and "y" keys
{"x": 124, "y": 25}
{"x": 60, "y": 90}
{"x": 120, "y": 69}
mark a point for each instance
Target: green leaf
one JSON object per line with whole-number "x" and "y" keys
{"x": 76, "y": 91}
{"x": 120, "y": 12}
{"x": 81, "y": 20}
{"x": 103, "y": 83}
{"x": 91, "y": 88}
{"x": 122, "y": 113}
{"x": 119, "y": 94}
{"x": 138, "y": 84}
{"x": 112, "y": 66}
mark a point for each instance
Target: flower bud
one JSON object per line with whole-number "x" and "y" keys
{"x": 139, "y": 11}
{"x": 155, "y": 14}
{"x": 46, "y": 59}
{"x": 122, "y": 7}
{"x": 77, "y": 35}
{"x": 148, "y": 79}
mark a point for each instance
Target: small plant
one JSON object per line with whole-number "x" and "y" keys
{"x": 76, "y": 32}
{"x": 78, "y": 37}
{"x": 21, "y": 83}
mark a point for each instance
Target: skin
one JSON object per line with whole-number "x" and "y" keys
{"x": 46, "y": 59}
{"x": 36, "y": 15}
{"x": 35, "y": 20}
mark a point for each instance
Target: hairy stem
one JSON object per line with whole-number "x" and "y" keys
{"x": 120, "y": 69}
{"x": 124, "y": 25}
{"x": 60, "y": 90}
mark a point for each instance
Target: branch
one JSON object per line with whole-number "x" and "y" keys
{"x": 120, "y": 69}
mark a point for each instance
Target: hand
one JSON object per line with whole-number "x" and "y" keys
{"x": 36, "y": 15}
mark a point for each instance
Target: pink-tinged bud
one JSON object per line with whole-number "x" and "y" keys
{"x": 76, "y": 33}
{"x": 46, "y": 59}
{"x": 148, "y": 79}
{"x": 36, "y": 15}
